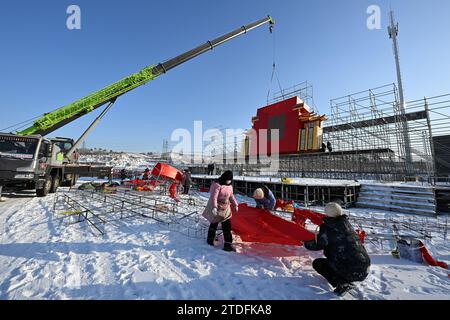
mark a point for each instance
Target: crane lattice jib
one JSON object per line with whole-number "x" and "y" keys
{"x": 56, "y": 119}
{"x": 91, "y": 102}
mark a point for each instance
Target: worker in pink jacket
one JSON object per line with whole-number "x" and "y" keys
{"x": 218, "y": 209}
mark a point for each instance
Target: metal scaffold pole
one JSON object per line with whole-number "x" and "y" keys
{"x": 430, "y": 137}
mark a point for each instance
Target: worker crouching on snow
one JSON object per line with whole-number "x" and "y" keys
{"x": 264, "y": 198}
{"x": 218, "y": 209}
{"x": 346, "y": 258}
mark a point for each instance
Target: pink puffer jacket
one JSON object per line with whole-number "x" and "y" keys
{"x": 221, "y": 197}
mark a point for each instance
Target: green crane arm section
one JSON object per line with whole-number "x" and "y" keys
{"x": 52, "y": 121}
{"x": 56, "y": 119}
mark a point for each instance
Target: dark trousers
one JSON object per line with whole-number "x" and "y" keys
{"x": 322, "y": 266}
{"x": 186, "y": 189}
{"x": 226, "y": 228}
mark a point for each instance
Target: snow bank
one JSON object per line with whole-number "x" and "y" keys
{"x": 121, "y": 160}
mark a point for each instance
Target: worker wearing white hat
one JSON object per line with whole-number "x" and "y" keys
{"x": 346, "y": 258}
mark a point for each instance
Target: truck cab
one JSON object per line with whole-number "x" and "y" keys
{"x": 35, "y": 162}
{"x": 65, "y": 144}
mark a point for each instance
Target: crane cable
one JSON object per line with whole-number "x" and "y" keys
{"x": 274, "y": 70}
{"x": 28, "y": 122}
{"x": 22, "y": 124}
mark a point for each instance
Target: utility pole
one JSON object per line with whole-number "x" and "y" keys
{"x": 224, "y": 141}
{"x": 393, "y": 34}
{"x": 165, "y": 149}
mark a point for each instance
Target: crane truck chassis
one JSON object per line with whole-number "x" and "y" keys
{"x": 29, "y": 160}
{"x": 35, "y": 162}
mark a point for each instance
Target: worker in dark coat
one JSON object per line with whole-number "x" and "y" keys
{"x": 123, "y": 175}
{"x": 346, "y": 258}
{"x": 186, "y": 181}
{"x": 211, "y": 168}
{"x": 146, "y": 175}
{"x": 264, "y": 198}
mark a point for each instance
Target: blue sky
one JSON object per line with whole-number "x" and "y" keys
{"x": 45, "y": 66}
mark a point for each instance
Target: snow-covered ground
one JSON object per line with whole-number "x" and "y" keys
{"x": 42, "y": 257}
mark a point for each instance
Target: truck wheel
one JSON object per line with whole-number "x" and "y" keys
{"x": 55, "y": 184}
{"x": 45, "y": 188}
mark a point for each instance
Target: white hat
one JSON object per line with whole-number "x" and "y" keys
{"x": 258, "y": 194}
{"x": 333, "y": 210}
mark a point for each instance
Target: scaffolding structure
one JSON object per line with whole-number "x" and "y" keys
{"x": 376, "y": 129}
{"x": 367, "y": 132}
{"x": 304, "y": 91}
{"x": 383, "y": 137}
{"x": 372, "y": 138}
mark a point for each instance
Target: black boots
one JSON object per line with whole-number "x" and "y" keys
{"x": 211, "y": 234}
{"x": 228, "y": 247}
{"x": 228, "y": 238}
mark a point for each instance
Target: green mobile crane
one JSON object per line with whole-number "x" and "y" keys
{"x": 28, "y": 159}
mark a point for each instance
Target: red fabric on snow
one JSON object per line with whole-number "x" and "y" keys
{"x": 173, "y": 192}
{"x": 280, "y": 203}
{"x": 136, "y": 182}
{"x": 258, "y": 225}
{"x": 300, "y": 216}
{"x": 361, "y": 235}
{"x": 154, "y": 183}
{"x": 429, "y": 259}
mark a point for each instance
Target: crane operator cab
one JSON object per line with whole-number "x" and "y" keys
{"x": 64, "y": 145}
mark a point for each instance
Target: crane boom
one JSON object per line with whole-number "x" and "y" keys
{"x": 54, "y": 120}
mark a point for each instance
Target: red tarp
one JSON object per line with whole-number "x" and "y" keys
{"x": 173, "y": 192}
{"x": 300, "y": 216}
{"x": 282, "y": 204}
{"x": 257, "y": 225}
{"x": 135, "y": 182}
{"x": 430, "y": 260}
{"x": 165, "y": 171}
{"x": 142, "y": 183}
